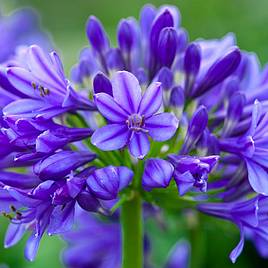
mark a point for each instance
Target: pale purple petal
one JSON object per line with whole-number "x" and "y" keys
{"x": 111, "y": 137}
{"x": 139, "y": 145}
{"x": 14, "y": 234}
{"x": 109, "y": 108}
{"x": 151, "y": 100}
{"x": 162, "y": 126}
{"x": 238, "y": 249}
{"x": 22, "y": 80}
{"x": 258, "y": 177}
{"x": 126, "y": 91}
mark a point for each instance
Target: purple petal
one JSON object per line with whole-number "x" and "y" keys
{"x": 162, "y": 126}
{"x": 14, "y": 234}
{"x": 102, "y": 84}
{"x": 111, "y": 137}
{"x": 126, "y": 91}
{"x": 238, "y": 249}
{"x": 22, "y": 80}
{"x": 139, "y": 144}
{"x": 151, "y": 100}
{"x": 41, "y": 67}
{"x": 184, "y": 181}
{"x": 32, "y": 246}
{"x": 109, "y": 108}
{"x": 61, "y": 219}
{"x": 24, "y": 107}
{"x": 22, "y": 197}
{"x": 258, "y": 177}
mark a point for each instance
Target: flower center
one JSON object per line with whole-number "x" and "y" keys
{"x": 135, "y": 122}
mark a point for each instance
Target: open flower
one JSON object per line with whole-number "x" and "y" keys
{"x": 48, "y": 92}
{"x": 132, "y": 117}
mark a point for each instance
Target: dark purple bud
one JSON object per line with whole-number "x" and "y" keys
{"x": 230, "y": 86}
{"x": 142, "y": 76}
{"x": 220, "y": 70}
{"x": 196, "y": 127}
{"x": 177, "y": 97}
{"x": 234, "y": 112}
{"x": 182, "y": 40}
{"x": 162, "y": 21}
{"x": 76, "y": 75}
{"x": 96, "y": 35}
{"x": 85, "y": 68}
{"x": 165, "y": 76}
{"x": 192, "y": 59}
{"x": 125, "y": 36}
{"x": 192, "y": 62}
{"x": 147, "y": 16}
{"x": 157, "y": 174}
{"x": 114, "y": 60}
{"x": 106, "y": 183}
{"x": 60, "y": 164}
{"x": 101, "y": 83}
{"x": 167, "y": 46}
{"x": 88, "y": 202}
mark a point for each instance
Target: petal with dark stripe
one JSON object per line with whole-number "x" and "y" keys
{"x": 139, "y": 145}
{"x": 111, "y": 137}
{"x": 22, "y": 80}
{"x": 126, "y": 91}
{"x": 41, "y": 66}
{"x": 162, "y": 126}
{"x": 151, "y": 100}
{"x": 109, "y": 108}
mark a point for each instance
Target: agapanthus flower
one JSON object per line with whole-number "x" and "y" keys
{"x": 132, "y": 116}
{"x": 192, "y": 172}
{"x": 43, "y": 81}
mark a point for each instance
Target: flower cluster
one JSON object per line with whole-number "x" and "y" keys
{"x": 157, "y": 111}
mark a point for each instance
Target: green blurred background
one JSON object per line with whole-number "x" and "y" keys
{"x": 65, "y": 19}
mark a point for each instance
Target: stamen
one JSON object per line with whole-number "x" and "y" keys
{"x": 135, "y": 122}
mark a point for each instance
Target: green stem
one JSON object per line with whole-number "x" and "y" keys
{"x": 132, "y": 233}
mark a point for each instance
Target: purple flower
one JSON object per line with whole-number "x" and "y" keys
{"x": 192, "y": 171}
{"x": 252, "y": 148}
{"x": 132, "y": 117}
{"x": 105, "y": 183}
{"x": 48, "y": 92}
{"x": 157, "y": 174}
{"x": 249, "y": 216}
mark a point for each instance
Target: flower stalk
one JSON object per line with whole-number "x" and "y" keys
{"x": 132, "y": 233}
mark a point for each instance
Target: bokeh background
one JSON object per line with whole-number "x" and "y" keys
{"x": 65, "y": 20}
